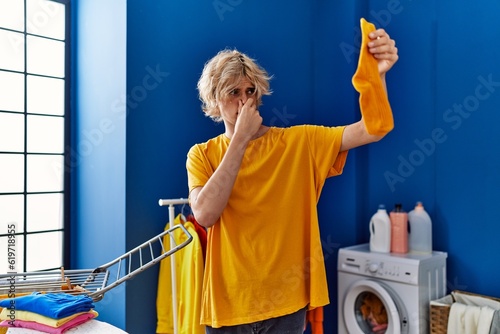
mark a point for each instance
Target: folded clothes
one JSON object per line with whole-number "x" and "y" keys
{"x": 469, "y": 319}
{"x": 52, "y": 305}
{"x": 495, "y": 323}
{"x": 41, "y": 319}
{"x": 49, "y": 329}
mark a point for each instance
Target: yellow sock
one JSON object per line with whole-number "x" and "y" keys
{"x": 373, "y": 102}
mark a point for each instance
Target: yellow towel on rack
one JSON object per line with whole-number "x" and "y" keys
{"x": 189, "y": 277}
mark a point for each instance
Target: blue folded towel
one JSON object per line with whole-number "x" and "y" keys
{"x": 53, "y": 305}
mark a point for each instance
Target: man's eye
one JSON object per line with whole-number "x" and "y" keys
{"x": 251, "y": 91}
{"x": 234, "y": 92}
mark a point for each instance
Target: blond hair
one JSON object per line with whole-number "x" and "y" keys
{"x": 222, "y": 74}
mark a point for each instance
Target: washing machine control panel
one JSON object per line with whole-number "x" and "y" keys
{"x": 383, "y": 266}
{"x": 391, "y": 270}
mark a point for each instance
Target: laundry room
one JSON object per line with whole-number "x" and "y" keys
{"x": 444, "y": 92}
{"x": 136, "y": 113}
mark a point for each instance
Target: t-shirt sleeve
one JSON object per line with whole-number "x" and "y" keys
{"x": 325, "y": 145}
{"x": 198, "y": 170}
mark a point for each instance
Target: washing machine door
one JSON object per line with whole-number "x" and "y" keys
{"x": 372, "y": 307}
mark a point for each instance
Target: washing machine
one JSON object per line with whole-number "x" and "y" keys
{"x": 383, "y": 293}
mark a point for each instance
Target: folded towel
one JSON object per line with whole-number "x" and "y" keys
{"x": 470, "y": 319}
{"x": 49, "y": 329}
{"x": 484, "y": 322}
{"x": 41, "y": 319}
{"x": 52, "y": 305}
{"x": 495, "y": 323}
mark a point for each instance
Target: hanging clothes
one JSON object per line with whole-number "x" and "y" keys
{"x": 202, "y": 234}
{"x": 189, "y": 277}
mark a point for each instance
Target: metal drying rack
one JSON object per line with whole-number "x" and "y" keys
{"x": 96, "y": 282}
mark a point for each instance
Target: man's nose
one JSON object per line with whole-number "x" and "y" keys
{"x": 244, "y": 97}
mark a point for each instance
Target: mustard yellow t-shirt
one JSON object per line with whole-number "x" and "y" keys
{"x": 264, "y": 257}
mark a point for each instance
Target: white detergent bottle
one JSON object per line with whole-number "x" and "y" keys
{"x": 380, "y": 231}
{"x": 420, "y": 235}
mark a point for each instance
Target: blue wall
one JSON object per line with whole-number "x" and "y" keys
{"x": 442, "y": 151}
{"x": 98, "y": 150}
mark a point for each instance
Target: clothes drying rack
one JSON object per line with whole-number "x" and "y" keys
{"x": 171, "y": 218}
{"x": 96, "y": 282}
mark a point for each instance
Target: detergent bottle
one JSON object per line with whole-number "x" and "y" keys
{"x": 399, "y": 230}
{"x": 420, "y": 235}
{"x": 380, "y": 231}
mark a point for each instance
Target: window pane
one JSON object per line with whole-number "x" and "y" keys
{"x": 12, "y": 46}
{"x": 19, "y": 251}
{"x": 44, "y": 250}
{"x": 46, "y": 18}
{"x": 45, "y": 212}
{"x": 12, "y": 88}
{"x": 11, "y": 132}
{"x": 45, "y": 173}
{"x": 12, "y": 14}
{"x": 12, "y": 175}
{"x": 12, "y": 209}
{"x": 45, "y": 56}
{"x": 33, "y": 98}
{"x": 45, "y": 134}
{"x": 45, "y": 95}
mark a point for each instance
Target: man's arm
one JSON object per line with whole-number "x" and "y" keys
{"x": 208, "y": 202}
{"x": 383, "y": 49}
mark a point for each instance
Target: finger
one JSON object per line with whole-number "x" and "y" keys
{"x": 386, "y": 48}
{"x": 380, "y": 40}
{"x": 250, "y": 102}
{"x": 240, "y": 106}
{"x": 378, "y": 34}
{"x": 382, "y": 45}
{"x": 389, "y": 58}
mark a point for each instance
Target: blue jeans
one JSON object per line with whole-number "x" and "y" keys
{"x": 288, "y": 324}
